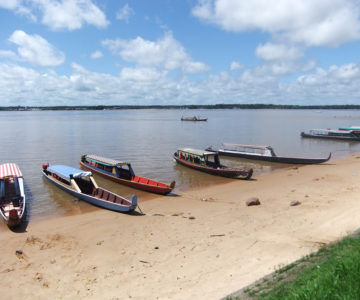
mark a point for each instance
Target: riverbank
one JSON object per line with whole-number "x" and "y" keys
{"x": 203, "y": 244}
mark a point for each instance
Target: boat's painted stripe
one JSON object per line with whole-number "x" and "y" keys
{"x": 10, "y": 170}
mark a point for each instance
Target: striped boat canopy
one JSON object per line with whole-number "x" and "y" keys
{"x": 106, "y": 161}
{"x": 10, "y": 170}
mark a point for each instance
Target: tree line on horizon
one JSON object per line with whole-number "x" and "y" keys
{"x": 195, "y": 106}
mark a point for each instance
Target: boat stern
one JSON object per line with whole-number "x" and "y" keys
{"x": 14, "y": 219}
{"x": 134, "y": 202}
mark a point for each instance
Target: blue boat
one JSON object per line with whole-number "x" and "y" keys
{"x": 82, "y": 185}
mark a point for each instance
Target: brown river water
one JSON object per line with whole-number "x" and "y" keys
{"x": 148, "y": 138}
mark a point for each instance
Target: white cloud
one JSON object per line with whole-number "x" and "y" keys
{"x": 71, "y": 14}
{"x": 8, "y": 54}
{"x": 234, "y": 66}
{"x": 271, "y": 52}
{"x": 9, "y": 4}
{"x": 36, "y": 50}
{"x": 125, "y": 13}
{"x": 59, "y": 14}
{"x": 19, "y": 7}
{"x": 166, "y": 53}
{"x": 141, "y": 74}
{"x": 345, "y": 72}
{"x": 26, "y": 86}
{"x": 96, "y": 54}
{"x": 308, "y": 22}
{"x": 310, "y": 65}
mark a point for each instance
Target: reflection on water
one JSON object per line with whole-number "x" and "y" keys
{"x": 148, "y": 139}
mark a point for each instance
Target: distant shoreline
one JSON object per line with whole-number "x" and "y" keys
{"x": 213, "y": 106}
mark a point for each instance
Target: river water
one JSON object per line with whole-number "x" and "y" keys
{"x": 148, "y": 138}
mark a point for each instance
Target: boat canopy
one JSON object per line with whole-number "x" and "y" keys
{"x": 196, "y": 151}
{"x": 10, "y": 170}
{"x": 246, "y": 146}
{"x": 107, "y": 161}
{"x": 66, "y": 172}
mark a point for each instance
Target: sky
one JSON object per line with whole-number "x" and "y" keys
{"x": 179, "y": 52}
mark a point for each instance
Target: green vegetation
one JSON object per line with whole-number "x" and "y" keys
{"x": 331, "y": 273}
{"x": 215, "y": 106}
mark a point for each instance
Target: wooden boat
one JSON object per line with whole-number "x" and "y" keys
{"x": 194, "y": 119}
{"x": 264, "y": 153}
{"x": 208, "y": 162}
{"x": 82, "y": 185}
{"x": 345, "y": 135}
{"x": 122, "y": 172}
{"x": 12, "y": 195}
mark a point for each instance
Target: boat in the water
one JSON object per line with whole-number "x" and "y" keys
{"x": 122, "y": 172}
{"x": 194, "y": 119}
{"x": 344, "y": 135}
{"x": 353, "y": 128}
{"x": 263, "y": 153}
{"x": 82, "y": 185}
{"x": 208, "y": 162}
{"x": 12, "y": 195}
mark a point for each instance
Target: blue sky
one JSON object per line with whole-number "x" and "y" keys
{"x": 141, "y": 52}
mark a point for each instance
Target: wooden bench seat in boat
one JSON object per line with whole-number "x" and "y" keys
{"x": 105, "y": 195}
{"x": 112, "y": 198}
{"x": 135, "y": 178}
{"x": 144, "y": 180}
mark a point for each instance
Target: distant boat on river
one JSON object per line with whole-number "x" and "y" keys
{"x": 194, "y": 119}
{"x": 344, "y": 135}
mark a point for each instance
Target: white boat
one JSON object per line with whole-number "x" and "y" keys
{"x": 12, "y": 195}
{"x": 82, "y": 185}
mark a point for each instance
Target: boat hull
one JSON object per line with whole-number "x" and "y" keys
{"x": 94, "y": 200}
{"x": 340, "y": 138}
{"x": 224, "y": 171}
{"x": 193, "y": 120}
{"x": 137, "y": 185}
{"x": 275, "y": 159}
{"x": 13, "y": 215}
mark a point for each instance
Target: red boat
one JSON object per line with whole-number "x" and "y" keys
{"x": 122, "y": 172}
{"x": 208, "y": 162}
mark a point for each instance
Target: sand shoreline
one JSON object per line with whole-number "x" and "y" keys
{"x": 205, "y": 243}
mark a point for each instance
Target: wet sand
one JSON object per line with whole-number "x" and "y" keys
{"x": 204, "y": 243}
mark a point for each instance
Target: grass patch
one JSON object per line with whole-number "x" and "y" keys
{"x": 333, "y": 272}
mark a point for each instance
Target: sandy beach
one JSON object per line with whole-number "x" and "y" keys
{"x": 200, "y": 244}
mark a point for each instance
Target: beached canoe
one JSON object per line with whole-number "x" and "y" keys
{"x": 122, "y": 172}
{"x": 263, "y": 153}
{"x": 82, "y": 185}
{"x": 12, "y": 195}
{"x": 208, "y": 162}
